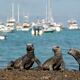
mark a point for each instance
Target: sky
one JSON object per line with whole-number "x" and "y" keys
{"x": 61, "y": 9}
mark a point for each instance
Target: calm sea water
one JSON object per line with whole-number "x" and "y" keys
{"x": 15, "y": 44}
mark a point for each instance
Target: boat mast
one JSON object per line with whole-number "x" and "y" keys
{"x": 50, "y": 18}
{"x": 46, "y": 12}
{"x": 12, "y": 11}
{"x": 18, "y": 13}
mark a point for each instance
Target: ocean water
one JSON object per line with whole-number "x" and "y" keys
{"x": 15, "y": 46}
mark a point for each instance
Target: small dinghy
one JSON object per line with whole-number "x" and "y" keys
{"x": 2, "y": 37}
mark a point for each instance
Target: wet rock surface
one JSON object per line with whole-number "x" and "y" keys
{"x": 38, "y": 75}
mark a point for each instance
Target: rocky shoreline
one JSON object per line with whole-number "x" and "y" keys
{"x": 52, "y": 69}
{"x": 38, "y": 75}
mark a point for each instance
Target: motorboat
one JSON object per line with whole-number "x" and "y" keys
{"x": 37, "y": 29}
{"x": 2, "y": 37}
{"x": 25, "y": 26}
{"x": 11, "y": 23}
{"x": 3, "y": 28}
{"x": 72, "y": 24}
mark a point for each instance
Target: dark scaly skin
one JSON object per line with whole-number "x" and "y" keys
{"x": 29, "y": 59}
{"x": 76, "y": 54}
{"x": 56, "y": 62}
{"x": 26, "y": 61}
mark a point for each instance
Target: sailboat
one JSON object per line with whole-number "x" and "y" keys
{"x": 18, "y": 25}
{"x": 50, "y": 25}
{"x": 11, "y": 23}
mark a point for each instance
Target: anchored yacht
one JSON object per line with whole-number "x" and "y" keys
{"x": 25, "y": 26}
{"x": 37, "y": 29}
{"x": 72, "y": 24}
{"x": 11, "y": 22}
{"x": 3, "y": 28}
{"x": 48, "y": 23}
